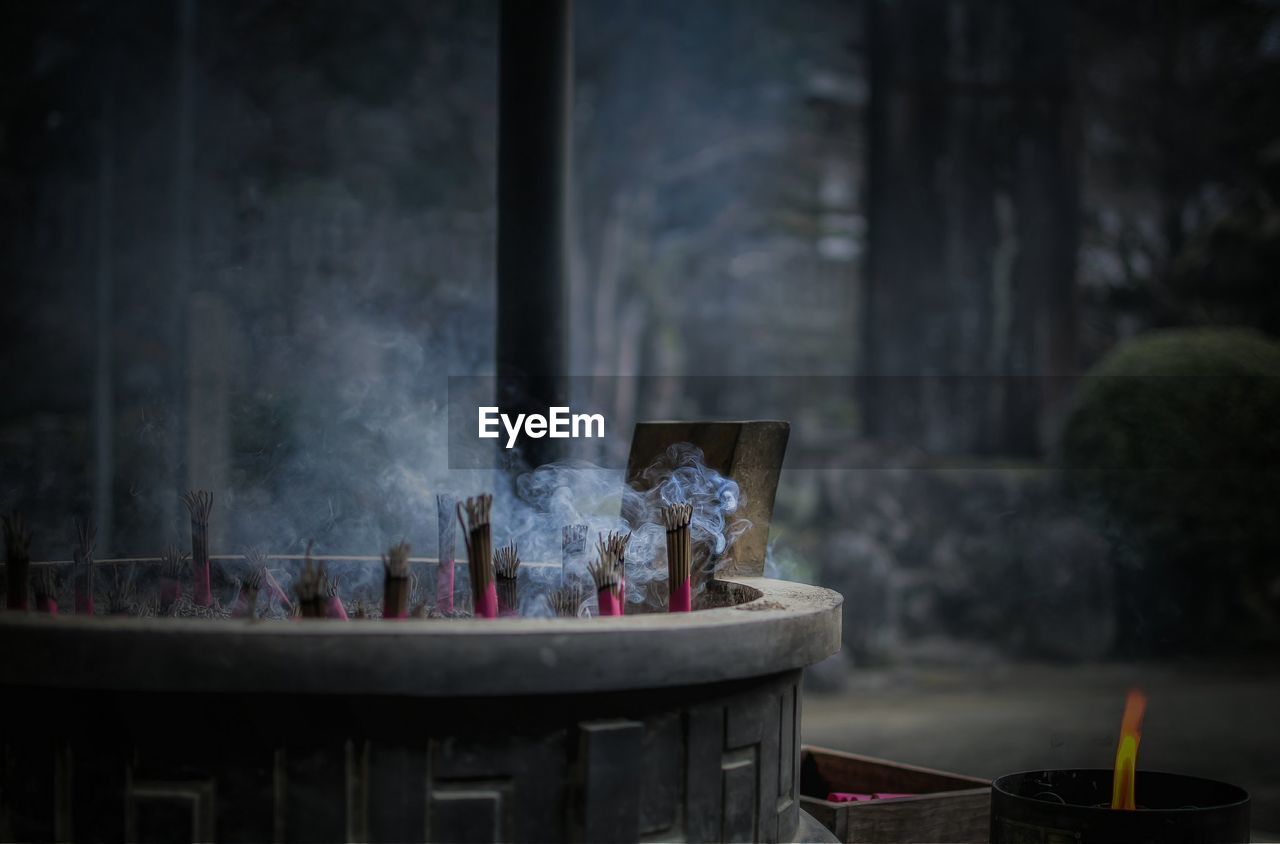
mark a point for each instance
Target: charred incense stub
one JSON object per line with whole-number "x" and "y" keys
{"x": 484, "y": 594}
{"x": 82, "y": 543}
{"x": 200, "y": 504}
{"x": 605, "y": 574}
{"x": 17, "y": 550}
{"x": 444, "y": 551}
{"x": 172, "y": 564}
{"x": 677, "y": 517}
{"x": 566, "y": 601}
{"x": 506, "y": 567}
{"x": 45, "y": 585}
{"x": 395, "y": 585}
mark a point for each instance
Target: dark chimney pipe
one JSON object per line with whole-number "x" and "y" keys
{"x": 535, "y": 96}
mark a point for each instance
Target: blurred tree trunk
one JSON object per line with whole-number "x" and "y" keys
{"x": 973, "y": 222}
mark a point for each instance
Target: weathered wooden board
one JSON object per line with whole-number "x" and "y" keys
{"x": 950, "y": 807}
{"x": 749, "y": 452}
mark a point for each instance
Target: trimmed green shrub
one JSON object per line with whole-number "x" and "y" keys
{"x": 1174, "y": 442}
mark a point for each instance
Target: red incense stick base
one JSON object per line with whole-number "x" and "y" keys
{"x": 486, "y": 603}
{"x": 608, "y": 603}
{"x": 46, "y": 605}
{"x": 681, "y": 598}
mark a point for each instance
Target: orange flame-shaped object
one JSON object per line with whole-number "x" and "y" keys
{"x": 1135, "y": 706}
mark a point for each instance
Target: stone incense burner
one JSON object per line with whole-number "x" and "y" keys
{"x": 643, "y": 727}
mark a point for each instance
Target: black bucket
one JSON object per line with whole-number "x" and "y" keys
{"x": 1074, "y": 807}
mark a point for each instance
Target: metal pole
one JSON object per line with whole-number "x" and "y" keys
{"x": 535, "y": 98}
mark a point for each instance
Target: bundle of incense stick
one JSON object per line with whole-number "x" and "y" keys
{"x": 307, "y": 586}
{"x": 246, "y": 605}
{"x": 484, "y": 593}
{"x": 679, "y": 555}
{"x": 506, "y": 568}
{"x": 395, "y": 584}
{"x": 605, "y": 573}
{"x": 444, "y": 552}
{"x": 330, "y": 599}
{"x": 17, "y": 556}
{"x": 573, "y": 543}
{"x": 172, "y": 562}
{"x": 618, "y": 543}
{"x": 46, "y": 588}
{"x": 82, "y": 542}
{"x": 200, "y": 503}
{"x": 566, "y": 601}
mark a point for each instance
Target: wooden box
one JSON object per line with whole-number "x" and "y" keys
{"x": 947, "y": 807}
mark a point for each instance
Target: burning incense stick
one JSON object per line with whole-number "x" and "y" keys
{"x": 82, "y": 542}
{"x": 605, "y": 574}
{"x": 200, "y": 504}
{"x": 506, "y": 567}
{"x": 444, "y": 551}
{"x": 46, "y": 589}
{"x": 307, "y": 586}
{"x": 17, "y": 550}
{"x": 274, "y": 587}
{"x": 618, "y": 543}
{"x": 566, "y": 601}
{"x": 679, "y": 555}
{"x": 172, "y": 562}
{"x": 573, "y": 543}
{"x": 484, "y": 593}
{"x": 395, "y": 584}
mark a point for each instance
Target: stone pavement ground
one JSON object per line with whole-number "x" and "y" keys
{"x": 1214, "y": 719}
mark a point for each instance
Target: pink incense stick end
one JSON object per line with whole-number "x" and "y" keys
{"x": 608, "y": 602}
{"x": 486, "y": 604}
{"x": 681, "y": 598}
{"x": 335, "y": 609}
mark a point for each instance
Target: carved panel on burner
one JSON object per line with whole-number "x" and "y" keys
{"x": 610, "y": 787}
{"x": 508, "y": 786}
{"x": 170, "y": 811}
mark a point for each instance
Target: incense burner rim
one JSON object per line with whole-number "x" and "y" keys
{"x": 788, "y": 626}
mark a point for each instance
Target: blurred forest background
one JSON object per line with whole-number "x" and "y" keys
{"x": 246, "y": 241}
